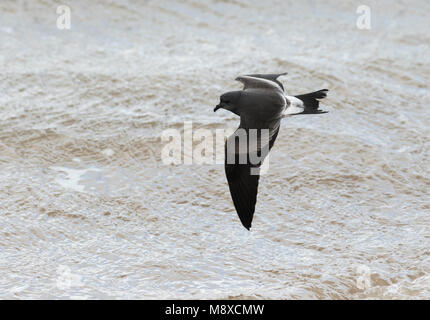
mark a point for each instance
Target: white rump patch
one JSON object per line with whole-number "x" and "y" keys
{"x": 295, "y": 106}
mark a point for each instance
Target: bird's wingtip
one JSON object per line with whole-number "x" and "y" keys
{"x": 247, "y": 226}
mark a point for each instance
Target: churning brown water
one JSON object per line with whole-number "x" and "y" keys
{"x": 89, "y": 210}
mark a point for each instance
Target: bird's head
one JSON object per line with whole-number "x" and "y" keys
{"x": 229, "y": 101}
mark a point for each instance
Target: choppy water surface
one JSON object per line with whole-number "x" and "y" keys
{"x": 88, "y": 210}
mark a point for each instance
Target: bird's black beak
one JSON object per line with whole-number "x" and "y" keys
{"x": 217, "y": 107}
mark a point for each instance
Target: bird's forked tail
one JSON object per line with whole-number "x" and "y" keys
{"x": 311, "y": 102}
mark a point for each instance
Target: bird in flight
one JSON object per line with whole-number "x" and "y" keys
{"x": 261, "y": 105}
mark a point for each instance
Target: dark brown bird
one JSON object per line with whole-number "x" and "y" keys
{"x": 261, "y": 105}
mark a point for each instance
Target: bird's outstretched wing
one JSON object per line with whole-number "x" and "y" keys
{"x": 242, "y": 171}
{"x": 270, "y": 76}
